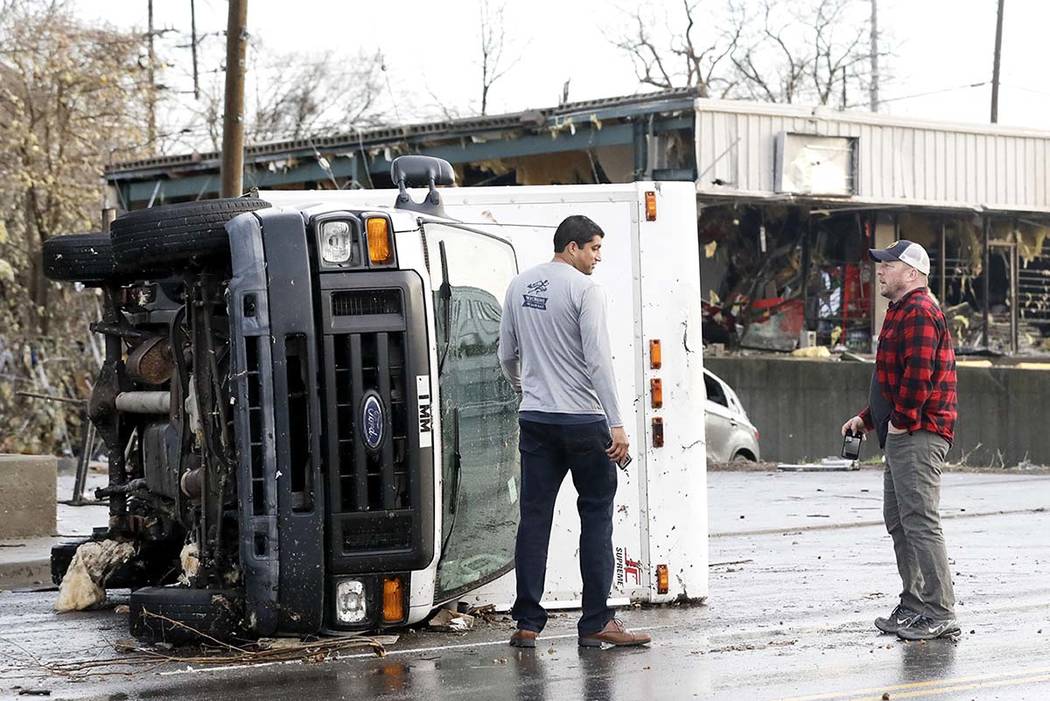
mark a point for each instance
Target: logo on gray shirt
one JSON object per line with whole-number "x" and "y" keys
{"x": 533, "y": 300}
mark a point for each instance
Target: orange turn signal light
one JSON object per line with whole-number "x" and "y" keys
{"x": 650, "y": 206}
{"x": 380, "y": 243}
{"x": 393, "y": 600}
{"x": 662, "y": 580}
{"x": 655, "y": 354}
{"x": 656, "y": 392}
{"x": 658, "y": 432}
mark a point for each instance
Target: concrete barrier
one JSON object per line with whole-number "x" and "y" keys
{"x": 799, "y": 406}
{"x": 27, "y": 496}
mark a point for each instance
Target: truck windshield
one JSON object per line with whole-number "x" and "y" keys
{"x": 480, "y": 479}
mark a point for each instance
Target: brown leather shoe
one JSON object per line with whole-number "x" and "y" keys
{"x": 614, "y": 633}
{"x": 523, "y": 638}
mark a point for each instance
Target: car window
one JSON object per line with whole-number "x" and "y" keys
{"x": 715, "y": 393}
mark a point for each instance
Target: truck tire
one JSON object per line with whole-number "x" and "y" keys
{"x": 152, "y": 240}
{"x": 86, "y": 258}
{"x": 196, "y": 613}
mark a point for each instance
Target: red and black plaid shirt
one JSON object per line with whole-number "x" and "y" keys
{"x": 915, "y": 367}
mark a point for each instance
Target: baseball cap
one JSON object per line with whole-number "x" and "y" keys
{"x": 911, "y": 253}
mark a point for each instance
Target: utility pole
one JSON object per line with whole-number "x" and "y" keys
{"x": 151, "y": 89}
{"x": 193, "y": 48}
{"x": 232, "y": 168}
{"x": 995, "y": 65}
{"x": 873, "y": 90}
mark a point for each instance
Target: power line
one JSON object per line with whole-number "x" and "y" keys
{"x": 1018, "y": 87}
{"x": 926, "y": 94}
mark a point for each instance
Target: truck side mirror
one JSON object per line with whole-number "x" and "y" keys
{"x": 419, "y": 171}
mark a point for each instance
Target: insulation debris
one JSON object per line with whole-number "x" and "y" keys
{"x": 93, "y": 562}
{"x": 189, "y": 556}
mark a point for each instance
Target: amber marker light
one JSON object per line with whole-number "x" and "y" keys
{"x": 380, "y": 245}
{"x": 393, "y": 600}
{"x": 662, "y": 579}
{"x": 650, "y": 206}
{"x": 655, "y": 354}
{"x": 656, "y": 393}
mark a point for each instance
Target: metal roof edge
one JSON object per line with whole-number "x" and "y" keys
{"x": 866, "y": 202}
{"x": 822, "y": 112}
{"x": 660, "y": 101}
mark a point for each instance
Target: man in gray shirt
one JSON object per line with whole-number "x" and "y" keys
{"x": 554, "y": 349}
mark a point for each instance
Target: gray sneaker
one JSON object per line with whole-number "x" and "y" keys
{"x": 925, "y": 628}
{"x": 902, "y": 617}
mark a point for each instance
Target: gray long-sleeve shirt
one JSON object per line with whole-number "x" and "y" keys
{"x": 554, "y": 343}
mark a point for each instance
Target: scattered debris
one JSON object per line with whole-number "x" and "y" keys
{"x": 486, "y": 613}
{"x": 189, "y": 557}
{"x": 263, "y": 651}
{"x": 812, "y": 352}
{"x": 122, "y": 609}
{"x": 830, "y": 464}
{"x": 92, "y": 564}
{"x": 449, "y": 621}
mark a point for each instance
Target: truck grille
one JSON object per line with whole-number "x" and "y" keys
{"x": 371, "y": 480}
{"x": 255, "y": 426}
{"x": 366, "y": 302}
{"x": 380, "y": 483}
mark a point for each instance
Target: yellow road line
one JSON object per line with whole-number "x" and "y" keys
{"x": 923, "y": 685}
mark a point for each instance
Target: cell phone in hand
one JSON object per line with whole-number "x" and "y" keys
{"x": 623, "y": 463}
{"x": 851, "y": 445}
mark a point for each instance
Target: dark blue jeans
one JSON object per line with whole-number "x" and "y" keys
{"x": 548, "y": 451}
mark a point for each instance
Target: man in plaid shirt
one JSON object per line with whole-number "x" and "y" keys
{"x": 912, "y": 409}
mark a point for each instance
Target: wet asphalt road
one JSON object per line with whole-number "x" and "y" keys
{"x": 789, "y": 616}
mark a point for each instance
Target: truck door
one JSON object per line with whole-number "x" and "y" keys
{"x": 470, "y": 272}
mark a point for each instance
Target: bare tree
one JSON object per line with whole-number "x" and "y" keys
{"x": 494, "y": 64}
{"x": 297, "y": 95}
{"x": 757, "y": 49}
{"x": 71, "y": 96}
{"x": 288, "y": 95}
{"x": 695, "y": 56}
{"x": 770, "y": 44}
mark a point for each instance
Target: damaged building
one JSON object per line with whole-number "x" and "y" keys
{"x": 790, "y": 198}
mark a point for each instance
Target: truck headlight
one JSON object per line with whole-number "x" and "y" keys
{"x": 336, "y": 241}
{"x": 350, "y": 604}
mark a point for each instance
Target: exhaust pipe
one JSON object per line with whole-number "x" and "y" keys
{"x": 144, "y": 402}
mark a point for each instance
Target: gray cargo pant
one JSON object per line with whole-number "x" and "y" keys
{"x": 911, "y": 503}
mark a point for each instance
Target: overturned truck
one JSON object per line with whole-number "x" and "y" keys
{"x": 306, "y": 423}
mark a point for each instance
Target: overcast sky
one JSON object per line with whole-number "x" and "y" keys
{"x": 431, "y": 48}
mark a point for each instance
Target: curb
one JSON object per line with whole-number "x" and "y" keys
{"x": 16, "y": 575}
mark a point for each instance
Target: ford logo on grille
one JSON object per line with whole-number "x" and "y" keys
{"x": 373, "y": 421}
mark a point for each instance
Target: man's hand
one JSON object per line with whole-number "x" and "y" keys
{"x": 618, "y": 450}
{"x": 856, "y": 425}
